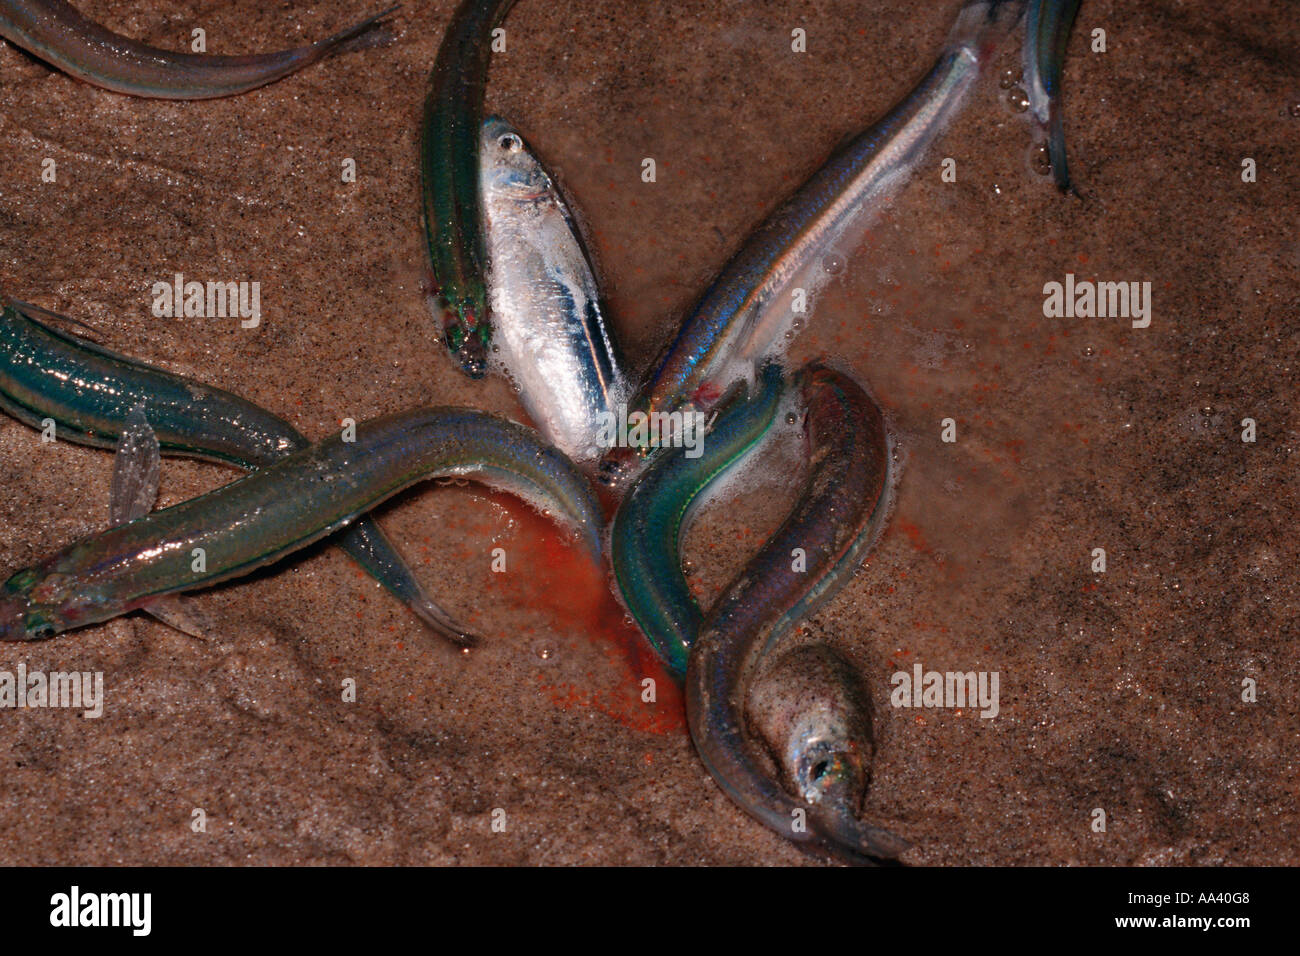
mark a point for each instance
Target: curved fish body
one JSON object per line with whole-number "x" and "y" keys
{"x": 549, "y": 334}
{"x": 286, "y": 506}
{"x": 822, "y": 751}
{"x": 1047, "y": 31}
{"x": 645, "y": 538}
{"x": 88, "y": 392}
{"x": 55, "y": 32}
{"x": 449, "y": 174}
{"x": 744, "y": 314}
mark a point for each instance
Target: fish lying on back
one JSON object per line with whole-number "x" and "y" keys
{"x": 55, "y": 32}
{"x": 286, "y": 506}
{"x": 549, "y": 336}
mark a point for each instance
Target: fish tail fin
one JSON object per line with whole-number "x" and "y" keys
{"x": 983, "y": 24}
{"x": 369, "y": 33}
{"x": 366, "y": 543}
{"x": 35, "y": 313}
{"x": 1056, "y": 150}
{"x": 439, "y": 621}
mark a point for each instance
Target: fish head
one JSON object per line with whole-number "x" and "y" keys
{"x": 21, "y": 619}
{"x": 468, "y": 339}
{"x": 811, "y": 713}
{"x": 826, "y": 768}
{"x": 509, "y": 172}
{"x": 510, "y": 177}
{"x": 981, "y": 25}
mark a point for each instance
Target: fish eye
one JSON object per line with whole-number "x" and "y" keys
{"x": 510, "y": 143}
{"x": 819, "y": 771}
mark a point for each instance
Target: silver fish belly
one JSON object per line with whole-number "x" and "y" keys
{"x": 550, "y": 336}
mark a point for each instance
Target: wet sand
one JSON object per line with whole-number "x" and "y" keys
{"x": 1120, "y": 691}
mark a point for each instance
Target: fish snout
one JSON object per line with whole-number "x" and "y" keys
{"x": 473, "y": 362}
{"x": 19, "y": 623}
{"x": 467, "y": 341}
{"x": 983, "y": 24}
{"x": 831, "y": 775}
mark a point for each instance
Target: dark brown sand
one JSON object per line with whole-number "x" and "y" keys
{"x": 1120, "y": 691}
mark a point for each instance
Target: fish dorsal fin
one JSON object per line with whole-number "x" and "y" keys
{"x": 135, "y": 470}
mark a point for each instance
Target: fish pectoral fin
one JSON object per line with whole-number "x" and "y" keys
{"x": 176, "y": 614}
{"x": 135, "y": 470}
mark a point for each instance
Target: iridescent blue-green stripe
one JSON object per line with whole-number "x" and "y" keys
{"x": 449, "y": 175}
{"x": 645, "y": 540}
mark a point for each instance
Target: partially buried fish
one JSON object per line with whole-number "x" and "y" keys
{"x": 286, "y": 506}
{"x": 550, "y": 336}
{"x": 57, "y": 33}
